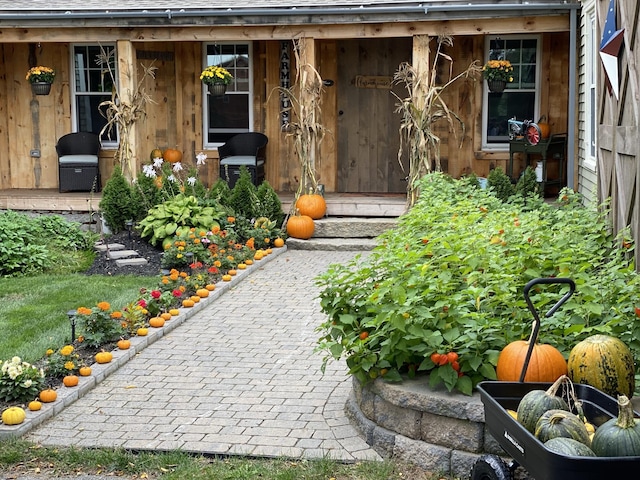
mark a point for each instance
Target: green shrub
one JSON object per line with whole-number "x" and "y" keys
{"x": 269, "y": 204}
{"x": 117, "y": 201}
{"x": 527, "y": 184}
{"x": 220, "y": 192}
{"x": 500, "y": 183}
{"x": 244, "y": 198}
{"x": 450, "y": 277}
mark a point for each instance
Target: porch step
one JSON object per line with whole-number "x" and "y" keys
{"x": 344, "y": 233}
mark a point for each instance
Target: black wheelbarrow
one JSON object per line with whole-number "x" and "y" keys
{"x": 523, "y": 447}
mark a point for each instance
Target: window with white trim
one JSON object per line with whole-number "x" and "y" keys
{"x": 91, "y": 85}
{"x": 520, "y": 97}
{"x": 228, "y": 114}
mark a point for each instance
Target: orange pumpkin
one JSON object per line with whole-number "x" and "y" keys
{"x": 195, "y": 298}
{"x": 187, "y": 302}
{"x": 124, "y": 344}
{"x": 172, "y": 155}
{"x": 165, "y": 316}
{"x": 48, "y": 395}
{"x": 226, "y": 277}
{"x": 70, "y": 381}
{"x": 35, "y": 405}
{"x": 84, "y": 371}
{"x": 210, "y": 286}
{"x": 312, "y": 205}
{"x": 142, "y": 332}
{"x": 545, "y": 128}
{"x": 278, "y": 242}
{"x": 202, "y": 292}
{"x": 546, "y": 363}
{"x": 232, "y": 272}
{"x": 300, "y": 226}
{"x": 156, "y": 322}
{"x": 174, "y": 312}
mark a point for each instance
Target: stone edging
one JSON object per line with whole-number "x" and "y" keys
{"x": 68, "y": 395}
{"x": 438, "y": 431}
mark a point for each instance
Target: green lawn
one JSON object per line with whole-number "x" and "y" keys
{"x": 33, "y": 310}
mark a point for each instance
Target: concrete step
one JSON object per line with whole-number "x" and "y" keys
{"x": 344, "y": 233}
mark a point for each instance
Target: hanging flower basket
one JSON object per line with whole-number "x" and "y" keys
{"x": 217, "y": 89}
{"x": 496, "y": 86}
{"x": 41, "y": 88}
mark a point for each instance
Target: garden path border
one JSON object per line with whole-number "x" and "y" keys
{"x": 68, "y": 395}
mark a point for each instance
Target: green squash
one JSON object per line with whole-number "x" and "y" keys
{"x": 560, "y": 423}
{"x": 569, "y": 447}
{"x": 536, "y": 402}
{"x": 618, "y": 437}
{"x": 605, "y": 363}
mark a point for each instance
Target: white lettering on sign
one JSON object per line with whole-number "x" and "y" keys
{"x": 373, "y": 81}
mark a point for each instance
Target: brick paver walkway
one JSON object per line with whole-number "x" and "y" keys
{"x": 238, "y": 377}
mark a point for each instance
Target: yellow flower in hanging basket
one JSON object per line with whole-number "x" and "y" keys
{"x": 498, "y": 70}
{"x": 41, "y": 74}
{"x": 214, "y": 74}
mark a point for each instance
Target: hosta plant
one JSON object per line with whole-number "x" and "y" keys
{"x": 450, "y": 276}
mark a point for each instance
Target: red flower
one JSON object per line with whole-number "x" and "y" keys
{"x": 638, "y": 312}
{"x": 212, "y": 269}
{"x": 176, "y": 293}
{"x": 156, "y": 294}
{"x": 142, "y": 302}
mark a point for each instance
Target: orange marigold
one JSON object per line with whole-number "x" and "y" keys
{"x": 104, "y": 306}
{"x": 116, "y": 315}
{"x": 215, "y": 229}
{"x": 83, "y": 311}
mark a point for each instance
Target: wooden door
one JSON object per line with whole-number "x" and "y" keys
{"x": 367, "y": 127}
{"x": 619, "y": 120}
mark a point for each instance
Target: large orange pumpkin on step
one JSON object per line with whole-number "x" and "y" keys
{"x": 546, "y": 363}
{"x": 172, "y": 155}
{"x": 300, "y": 226}
{"x": 312, "y": 205}
{"x": 545, "y": 128}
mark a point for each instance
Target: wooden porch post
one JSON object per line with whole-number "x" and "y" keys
{"x": 126, "y": 89}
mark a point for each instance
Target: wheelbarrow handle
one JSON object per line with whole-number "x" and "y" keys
{"x": 536, "y": 317}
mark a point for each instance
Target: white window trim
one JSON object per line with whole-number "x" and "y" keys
{"x": 205, "y": 126}
{"x": 591, "y": 63}
{"x": 106, "y": 144}
{"x": 504, "y": 147}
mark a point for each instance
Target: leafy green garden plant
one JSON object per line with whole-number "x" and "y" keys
{"x": 449, "y": 279}
{"x": 100, "y": 324}
{"x": 19, "y": 381}
{"x": 64, "y": 361}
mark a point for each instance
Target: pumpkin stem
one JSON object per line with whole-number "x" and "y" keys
{"x": 568, "y": 393}
{"x": 625, "y": 413}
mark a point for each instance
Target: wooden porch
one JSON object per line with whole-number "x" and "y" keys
{"x": 338, "y": 204}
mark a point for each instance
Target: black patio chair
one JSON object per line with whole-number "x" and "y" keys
{"x": 247, "y": 149}
{"x": 78, "y": 168}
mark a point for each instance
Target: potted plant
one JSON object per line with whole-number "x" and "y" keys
{"x": 41, "y": 79}
{"x": 498, "y": 73}
{"x": 216, "y": 78}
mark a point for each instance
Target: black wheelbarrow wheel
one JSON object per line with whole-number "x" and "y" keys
{"x": 491, "y": 467}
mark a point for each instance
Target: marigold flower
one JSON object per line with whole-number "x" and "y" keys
{"x": 183, "y": 274}
{"x": 84, "y": 311}
{"x": 49, "y": 352}
{"x": 116, "y": 315}
{"x": 69, "y": 365}
{"x": 66, "y": 350}
{"x": 182, "y": 288}
{"x": 104, "y": 306}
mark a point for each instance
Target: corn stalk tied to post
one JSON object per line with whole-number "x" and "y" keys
{"x": 304, "y": 127}
{"x": 421, "y": 109}
{"x": 124, "y": 114}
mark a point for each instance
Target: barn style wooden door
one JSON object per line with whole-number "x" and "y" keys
{"x": 367, "y": 133}
{"x": 619, "y": 118}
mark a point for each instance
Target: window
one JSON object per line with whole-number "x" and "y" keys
{"x": 520, "y": 98}
{"x": 229, "y": 114}
{"x": 91, "y": 85}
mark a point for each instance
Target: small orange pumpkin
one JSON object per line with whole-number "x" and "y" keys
{"x": 166, "y": 316}
{"x": 202, "y": 292}
{"x": 248, "y": 261}
{"x": 232, "y": 272}
{"x": 124, "y": 344}
{"x": 34, "y": 405}
{"x": 172, "y": 155}
{"x": 242, "y": 266}
{"x": 70, "y": 381}
{"x": 545, "y": 128}
{"x": 546, "y": 364}
{"x": 300, "y": 226}
{"x": 48, "y": 395}
{"x": 278, "y": 242}
{"x": 226, "y": 277}
{"x": 195, "y": 298}
{"x": 174, "y": 312}
{"x": 187, "y": 302}
{"x": 84, "y": 371}
{"x": 210, "y": 286}
{"x": 103, "y": 357}
{"x": 142, "y": 332}
{"x": 312, "y": 205}
{"x": 156, "y": 322}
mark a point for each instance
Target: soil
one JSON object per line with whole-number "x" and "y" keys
{"x": 102, "y": 265}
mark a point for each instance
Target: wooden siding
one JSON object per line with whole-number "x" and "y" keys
{"x": 619, "y": 120}
{"x": 174, "y": 119}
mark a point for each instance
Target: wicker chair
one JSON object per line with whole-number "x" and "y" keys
{"x": 247, "y": 149}
{"x": 78, "y": 162}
